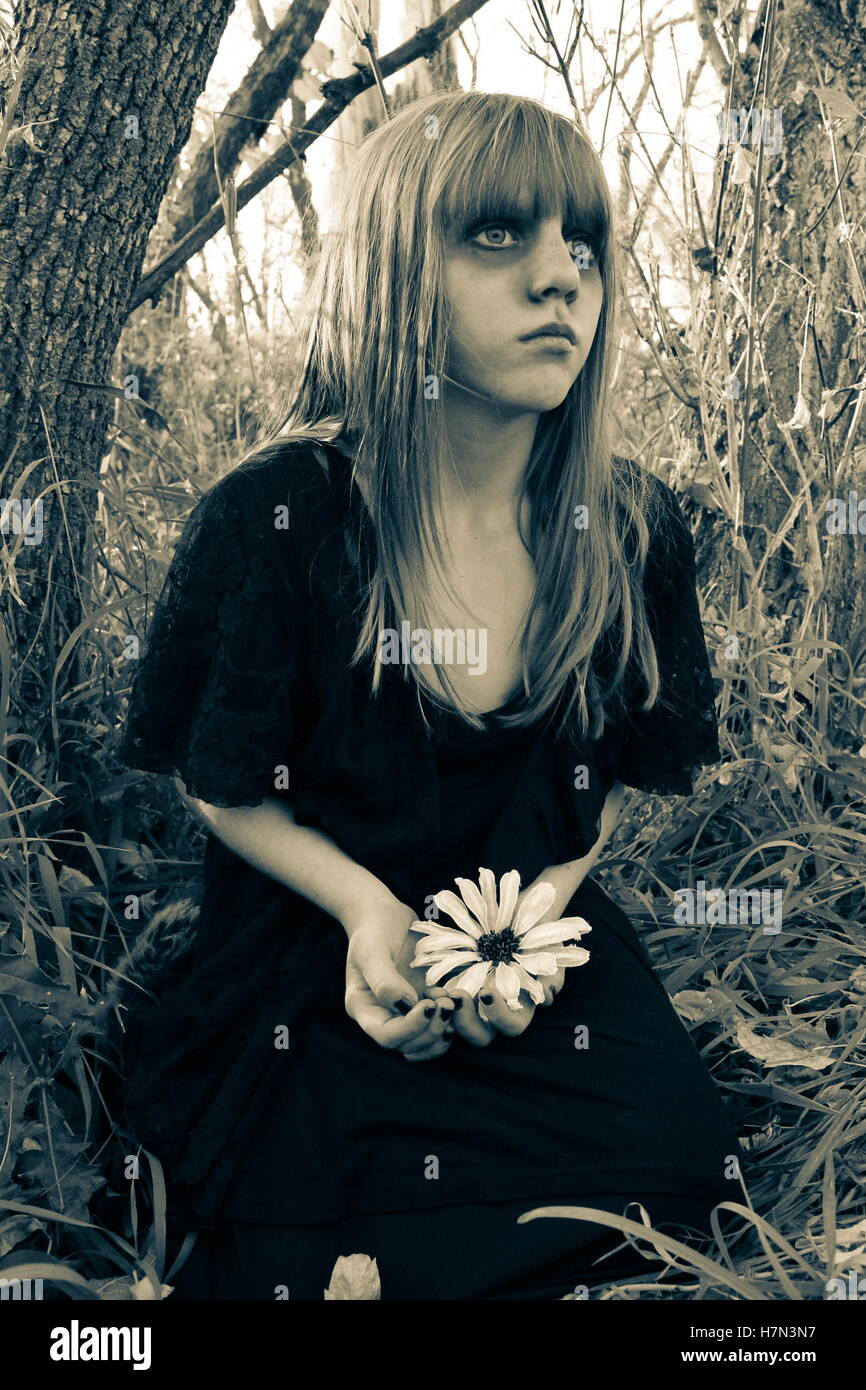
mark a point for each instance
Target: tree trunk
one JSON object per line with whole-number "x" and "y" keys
{"x": 809, "y": 313}
{"x": 108, "y": 93}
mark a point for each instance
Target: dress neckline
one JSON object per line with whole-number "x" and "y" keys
{"x": 452, "y": 717}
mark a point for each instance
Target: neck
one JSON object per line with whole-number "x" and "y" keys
{"x": 490, "y": 447}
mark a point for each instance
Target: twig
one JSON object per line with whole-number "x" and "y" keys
{"x": 337, "y": 96}
{"x": 365, "y": 38}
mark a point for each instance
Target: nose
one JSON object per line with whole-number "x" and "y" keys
{"x": 551, "y": 268}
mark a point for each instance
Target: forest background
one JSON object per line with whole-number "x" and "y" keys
{"x": 165, "y": 169}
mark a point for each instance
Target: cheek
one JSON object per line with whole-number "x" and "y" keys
{"x": 458, "y": 297}
{"x": 594, "y": 305}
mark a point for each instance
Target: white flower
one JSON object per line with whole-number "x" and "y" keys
{"x": 490, "y": 937}
{"x": 354, "y": 1277}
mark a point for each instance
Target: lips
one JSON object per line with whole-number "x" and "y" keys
{"x": 551, "y": 330}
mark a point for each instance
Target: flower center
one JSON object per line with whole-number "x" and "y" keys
{"x": 497, "y": 945}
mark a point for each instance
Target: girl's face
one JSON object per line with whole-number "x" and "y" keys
{"x": 505, "y": 280}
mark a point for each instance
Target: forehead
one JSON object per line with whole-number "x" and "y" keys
{"x": 530, "y": 176}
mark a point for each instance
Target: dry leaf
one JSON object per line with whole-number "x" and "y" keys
{"x": 702, "y": 1005}
{"x": 776, "y": 1052}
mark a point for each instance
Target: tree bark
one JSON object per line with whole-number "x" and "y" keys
{"x": 108, "y": 92}
{"x": 809, "y": 312}
{"x": 259, "y": 96}
{"x": 337, "y": 96}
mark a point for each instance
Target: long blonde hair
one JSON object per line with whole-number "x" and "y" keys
{"x": 375, "y": 338}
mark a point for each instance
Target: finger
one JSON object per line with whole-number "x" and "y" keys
{"x": 509, "y": 1021}
{"x": 437, "y": 993}
{"x": 437, "y": 1017}
{"x": 468, "y": 1023}
{"x": 427, "y": 1054}
{"x": 372, "y": 962}
{"x": 385, "y": 1027}
{"x": 553, "y": 984}
{"x": 372, "y": 1013}
{"x": 431, "y": 1018}
{"x": 359, "y": 994}
{"x": 438, "y": 1014}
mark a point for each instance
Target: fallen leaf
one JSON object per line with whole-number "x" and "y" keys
{"x": 775, "y": 1052}
{"x": 702, "y": 1005}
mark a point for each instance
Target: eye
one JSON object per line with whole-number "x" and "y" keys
{"x": 586, "y": 253}
{"x": 492, "y": 226}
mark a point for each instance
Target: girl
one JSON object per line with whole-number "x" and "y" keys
{"x": 442, "y": 464}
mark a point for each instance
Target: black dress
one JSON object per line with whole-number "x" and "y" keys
{"x": 603, "y": 1100}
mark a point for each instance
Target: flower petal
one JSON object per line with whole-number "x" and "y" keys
{"x": 487, "y": 879}
{"x": 508, "y": 983}
{"x": 450, "y": 903}
{"x": 445, "y": 936}
{"x": 471, "y": 980}
{"x": 449, "y": 962}
{"x": 530, "y": 984}
{"x": 537, "y": 900}
{"x": 425, "y": 958}
{"x": 509, "y": 887}
{"x": 572, "y": 955}
{"x": 539, "y": 963}
{"x": 547, "y": 933}
{"x": 471, "y": 895}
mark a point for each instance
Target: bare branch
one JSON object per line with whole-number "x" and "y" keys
{"x": 261, "y": 27}
{"x": 338, "y": 95}
{"x": 707, "y": 30}
{"x": 247, "y": 113}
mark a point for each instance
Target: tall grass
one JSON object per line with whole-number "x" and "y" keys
{"x": 778, "y": 1017}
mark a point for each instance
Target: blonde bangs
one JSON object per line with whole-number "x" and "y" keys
{"x": 515, "y": 160}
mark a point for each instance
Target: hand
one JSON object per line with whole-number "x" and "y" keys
{"x": 479, "y": 1019}
{"x": 379, "y": 974}
{"x": 467, "y": 1019}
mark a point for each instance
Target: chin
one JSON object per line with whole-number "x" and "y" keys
{"x": 538, "y": 401}
{"x": 544, "y": 393}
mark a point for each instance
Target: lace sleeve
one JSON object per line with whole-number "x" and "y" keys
{"x": 213, "y": 699}
{"x": 663, "y": 747}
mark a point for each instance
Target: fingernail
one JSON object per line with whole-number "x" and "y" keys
{"x": 430, "y": 1011}
{"x": 445, "y": 1012}
{"x": 458, "y": 1004}
{"x": 403, "y": 1006}
{"x": 487, "y": 998}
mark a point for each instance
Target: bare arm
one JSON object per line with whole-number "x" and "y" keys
{"x": 379, "y": 977}
{"x": 304, "y": 859}
{"x": 567, "y": 878}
